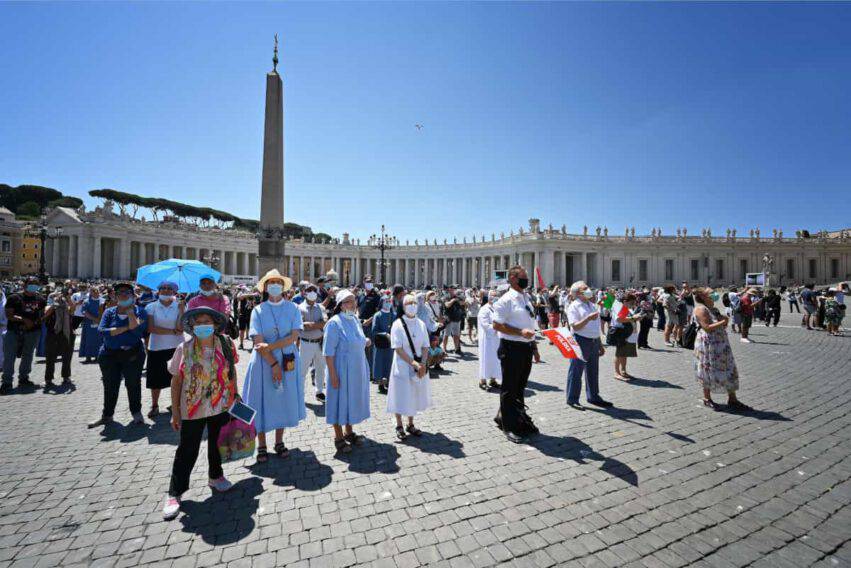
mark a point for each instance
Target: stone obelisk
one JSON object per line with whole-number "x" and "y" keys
{"x": 270, "y": 235}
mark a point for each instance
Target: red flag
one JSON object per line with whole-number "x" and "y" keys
{"x": 566, "y": 343}
{"x": 540, "y": 280}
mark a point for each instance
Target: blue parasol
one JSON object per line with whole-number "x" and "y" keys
{"x": 186, "y": 273}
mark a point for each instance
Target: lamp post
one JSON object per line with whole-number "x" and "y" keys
{"x": 44, "y": 234}
{"x": 382, "y": 242}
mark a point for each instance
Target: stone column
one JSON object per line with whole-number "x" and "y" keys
{"x": 96, "y": 257}
{"x": 126, "y": 270}
{"x": 73, "y": 269}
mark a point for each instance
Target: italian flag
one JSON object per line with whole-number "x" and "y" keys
{"x": 566, "y": 343}
{"x": 616, "y": 307}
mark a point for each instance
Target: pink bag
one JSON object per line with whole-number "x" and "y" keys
{"x": 236, "y": 440}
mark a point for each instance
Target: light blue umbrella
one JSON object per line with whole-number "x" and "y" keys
{"x": 186, "y": 273}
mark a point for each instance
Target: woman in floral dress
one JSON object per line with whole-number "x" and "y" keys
{"x": 715, "y": 367}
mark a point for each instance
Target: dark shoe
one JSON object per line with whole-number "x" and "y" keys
{"x": 575, "y": 406}
{"x": 320, "y": 396}
{"x": 342, "y": 446}
{"x": 498, "y": 421}
{"x": 48, "y": 385}
{"x": 382, "y": 389}
{"x": 601, "y": 403}
{"x": 493, "y": 384}
{"x": 516, "y": 438}
{"x": 438, "y": 368}
{"x": 400, "y": 433}
{"x": 483, "y": 386}
{"x": 67, "y": 383}
{"x": 154, "y": 412}
{"x": 25, "y": 383}
{"x": 5, "y": 389}
{"x": 354, "y": 439}
{"x": 100, "y": 422}
{"x": 281, "y": 450}
{"x": 413, "y": 430}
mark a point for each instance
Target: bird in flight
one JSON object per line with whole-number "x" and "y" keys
{"x": 418, "y": 126}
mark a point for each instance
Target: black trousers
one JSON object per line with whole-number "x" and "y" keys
{"x": 772, "y": 314}
{"x": 114, "y": 368}
{"x": 515, "y": 358}
{"x": 191, "y": 433}
{"x": 57, "y": 345}
{"x": 644, "y": 326}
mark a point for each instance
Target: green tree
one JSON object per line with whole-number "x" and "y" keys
{"x": 29, "y": 209}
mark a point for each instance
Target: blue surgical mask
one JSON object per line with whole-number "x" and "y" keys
{"x": 33, "y": 288}
{"x": 203, "y": 331}
{"x": 715, "y": 296}
{"x": 275, "y": 289}
{"x": 126, "y": 303}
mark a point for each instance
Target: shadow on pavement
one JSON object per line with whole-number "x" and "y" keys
{"x": 299, "y": 470}
{"x": 626, "y": 414}
{"x": 680, "y": 437}
{"x": 652, "y": 383}
{"x": 371, "y": 457}
{"x": 574, "y": 449}
{"x": 437, "y": 443}
{"x": 542, "y": 387}
{"x": 224, "y": 518}
{"x": 317, "y": 408}
{"x": 159, "y": 432}
{"x": 758, "y": 414}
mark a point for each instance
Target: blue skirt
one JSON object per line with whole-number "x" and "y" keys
{"x": 382, "y": 360}
{"x": 276, "y": 408}
{"x": 90, "y": 340}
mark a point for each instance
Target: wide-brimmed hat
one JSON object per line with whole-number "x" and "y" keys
{"x": 272, "y": 275}
{"x": 218, "y": 317}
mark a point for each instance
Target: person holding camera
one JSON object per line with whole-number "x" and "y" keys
{"x": 24, "y": 313}
{"x": 409, "y": 391}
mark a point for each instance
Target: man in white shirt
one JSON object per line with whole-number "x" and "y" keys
{"x": 310, "y": 347}
{"x": 584, "y": 319}
{"x": 79, "y": 298}
{"x": 514, "y": 322}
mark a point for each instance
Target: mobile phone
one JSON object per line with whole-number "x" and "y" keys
{"x": 242, "y": 411}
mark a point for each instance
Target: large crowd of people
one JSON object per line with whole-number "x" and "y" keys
{"x": 346, "y": 339}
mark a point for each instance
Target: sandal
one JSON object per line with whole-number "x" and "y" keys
{"x": 736, "y": 405}
{"x": 262, "y": 454}
{"x": 483, "y": 386}
{"x": 400, "y": 433}
{"x": 153, "y": 412}
{"x": 281, "y": 450}
{"x": 354, "y": 439}
{"x": 622, "y": 378}
{"x": 414, "y": 431}
{"x": 342, "y": 445}
{"x": 709, "y": 403}
{"x": 494, "y": 384}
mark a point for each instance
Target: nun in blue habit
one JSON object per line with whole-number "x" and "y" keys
{"x": 273, "y": 385}
{"x": 344, "y": 345}
{"x": 382, "y": 354}
{"x": 90, "y": 337}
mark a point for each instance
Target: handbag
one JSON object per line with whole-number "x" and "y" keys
{"x": 617, "y": 336}
{"x": 689, "y": 335}
{"x": 236, "y": 440}
{"x": 382, "y": 340}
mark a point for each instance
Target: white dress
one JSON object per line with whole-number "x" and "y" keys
{"x": 489, "y": 365}
{"x": 408, "y": 394}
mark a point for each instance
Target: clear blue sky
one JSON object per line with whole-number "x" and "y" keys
{"x": 718, "y": 114}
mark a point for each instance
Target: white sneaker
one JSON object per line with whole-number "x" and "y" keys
{"x": 171, "y": 508}
{"x": 745, "y": 340}
{"x": 138, "y": 418}
{"x": 221, "y": 484}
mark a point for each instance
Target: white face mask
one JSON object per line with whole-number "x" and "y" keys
{"x": 311, "y": 296}
{"x": 588, "y": 293}
{"x": 410, "y": 310}
{"x": 367, "y": 286}
{"x": 208, "y": 292}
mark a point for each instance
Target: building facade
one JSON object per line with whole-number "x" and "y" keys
{"x": 101, "y": 244}
{"x": 11, "y": 232}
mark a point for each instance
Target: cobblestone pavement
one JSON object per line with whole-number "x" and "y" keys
{"x": 658, "y": 481}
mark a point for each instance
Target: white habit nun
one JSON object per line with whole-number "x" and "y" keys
{"x": 409, "y": 391}
{"x": 489, "y": 365}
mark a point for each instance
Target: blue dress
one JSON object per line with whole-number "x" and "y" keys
{"x": 276, "y": 408}
{"x": 345, "y": 341}
{"x": 382, "y": 359}
{"x": 90, "y": 338}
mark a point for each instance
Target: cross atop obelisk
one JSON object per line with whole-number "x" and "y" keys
{"x": 270, "y": 234}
